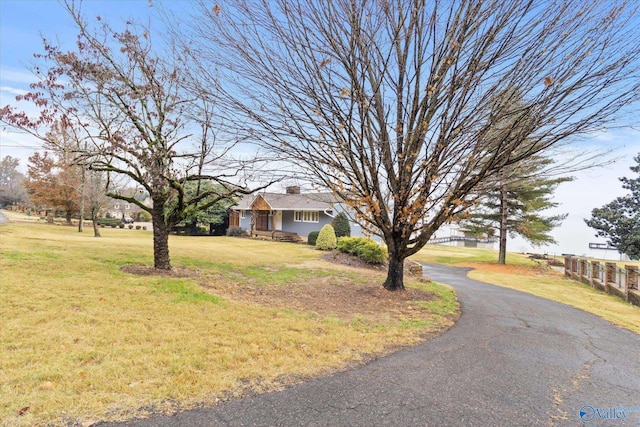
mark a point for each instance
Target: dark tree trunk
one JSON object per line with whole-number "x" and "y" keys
{"x": 161, "y": 231}
{"x": 504, "y": 216}
{"x": 68, "y": 215}
{"x": 395, "y": 273}
{"x": 94, "y": 221}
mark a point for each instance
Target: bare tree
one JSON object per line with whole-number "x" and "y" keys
{"x": 129, "y": 107}
{"x": 94, "y": 189}
{"x": 393, "y": 104}
{"x": 12, "y": 190}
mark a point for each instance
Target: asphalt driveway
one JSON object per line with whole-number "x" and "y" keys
{"x": 512, "y": 359}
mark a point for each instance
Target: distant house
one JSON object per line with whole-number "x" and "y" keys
{"x": 128, "y": 211}
{"x": 289, "y": 215}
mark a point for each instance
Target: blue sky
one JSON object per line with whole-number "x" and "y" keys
{"x": 22, "y": 22}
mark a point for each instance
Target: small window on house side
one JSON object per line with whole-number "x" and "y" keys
{"x": 116, "y": 206}
{"x": 242, "y": 214}
{"x": 297, "y": 216}
{"x": 127, "y": 206}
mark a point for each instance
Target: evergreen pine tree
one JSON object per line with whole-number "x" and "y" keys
{"x": 619, "y": 220}
{"x": 341, "y": 225}
{"x": 512, "y": 205}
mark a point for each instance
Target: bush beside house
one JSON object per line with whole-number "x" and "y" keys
{"x": 365, "y": 249}
{"x": 326, "y": 238}
{"x": 312, "y": 238}
{"x": 234, "y": 231}
{"x": 341, "y": 225}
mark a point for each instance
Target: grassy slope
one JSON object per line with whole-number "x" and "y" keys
{"x": 523, "y": 274}
{"x": 82, "y": 341}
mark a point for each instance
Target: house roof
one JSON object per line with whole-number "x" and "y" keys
{"x": 291, "y": 202}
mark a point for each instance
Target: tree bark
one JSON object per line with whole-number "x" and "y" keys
{"x": 504, "y": 215}
{"x": 94, "y": 220}
{"x": 96, "y": 228}
{"x": 68, "y": 215}
{"x": 161, "y": 230}
{"x": 81, "y": 220}
{"x": 395, "y": 272}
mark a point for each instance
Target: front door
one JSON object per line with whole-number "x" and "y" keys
{"x": 278, "y": 220}
{"x": 262, "y": 220}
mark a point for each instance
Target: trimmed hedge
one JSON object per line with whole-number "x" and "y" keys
{"x": 365, "y": 249}
{"x": 326, "y": 238}
{"x": 312, "y": 237}
{"x": 236, "y": 232}
{"x": 109, "y": 222}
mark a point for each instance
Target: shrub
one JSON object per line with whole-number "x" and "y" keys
{"x": 365, "y": 249}
{"x": 144, "y": 227}
{"x": 312, "y": 237}
{"x": 109, "y": 222}
{"x": 349, "y": 245}
{"x": 121, "y": 225}
{"x": 130, "y": 226}
{"x": 372, "y": 253}
{"x": 326, "y": 238}
{"x": 138, "y": 227}
{"x": 341, "y": 225}
{"x": 236, "y": 232}
{"x": 143, "y": 216}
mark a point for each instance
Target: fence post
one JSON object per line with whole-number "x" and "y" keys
{"x": 567, "y": 266}
{"x": 632, "y": 284}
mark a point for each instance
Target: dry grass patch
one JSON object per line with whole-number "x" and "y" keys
{"x": 84, "y": 340}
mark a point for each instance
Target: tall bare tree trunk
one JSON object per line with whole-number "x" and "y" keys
{"x": 81, "y": 220}
{"x": 504, "y": 216}
{"x": 94, "y": 220}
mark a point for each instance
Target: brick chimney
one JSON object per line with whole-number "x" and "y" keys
{"x": 295, "y": 189}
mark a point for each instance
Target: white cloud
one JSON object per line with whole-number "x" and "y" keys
{"x": 13, "y": 90}
{"x": 17, "y": 76}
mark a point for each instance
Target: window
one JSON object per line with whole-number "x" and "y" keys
{"x": 242, "y": 214}
{"x": 127, "y": 206}
{"x": 310, "y": 216}
{"x": 306, "y": 216}
{"x": 116, "y": 206}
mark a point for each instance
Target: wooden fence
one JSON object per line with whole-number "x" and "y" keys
{"x": 605, "y": 276}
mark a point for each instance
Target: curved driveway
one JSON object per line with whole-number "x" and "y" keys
{"x": 512, "y": 359}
